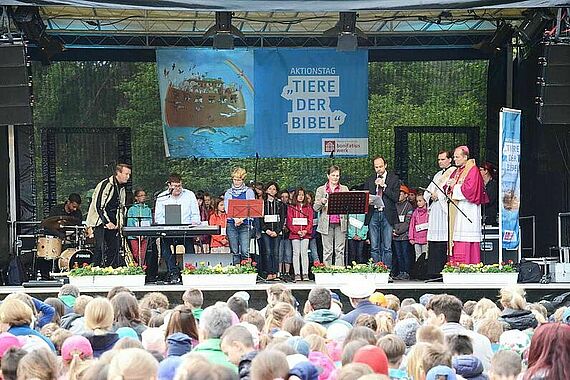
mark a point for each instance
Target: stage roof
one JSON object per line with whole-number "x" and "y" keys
{"x": 296, "y": 5}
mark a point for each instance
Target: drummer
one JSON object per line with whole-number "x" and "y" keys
{"x": 71, "y": 208}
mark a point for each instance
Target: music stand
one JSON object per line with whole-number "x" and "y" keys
{"x": 245, "y": 208}
{"x": 347, "y": 202}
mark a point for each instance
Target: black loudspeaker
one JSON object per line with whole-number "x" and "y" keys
{"x": 15, "y": 86}
{"x": 554, "y": 85}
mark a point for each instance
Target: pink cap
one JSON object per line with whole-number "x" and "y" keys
{"x": 76, "y": 344}
{"x": 8, "y": 341}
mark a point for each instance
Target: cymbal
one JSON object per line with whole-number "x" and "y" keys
{"x": 58, "y": 222}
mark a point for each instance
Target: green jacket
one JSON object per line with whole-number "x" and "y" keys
{"x": 325, "y": 318}
{"x": 211, "y": 349}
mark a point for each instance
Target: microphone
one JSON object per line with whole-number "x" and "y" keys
{"x": 332, "y": 154}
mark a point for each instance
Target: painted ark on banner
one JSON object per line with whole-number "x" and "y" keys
{"x": 274, "y": 102}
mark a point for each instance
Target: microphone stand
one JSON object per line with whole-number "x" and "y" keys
{"x": 449, "y": 201}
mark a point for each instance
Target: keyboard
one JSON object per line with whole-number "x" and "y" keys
{"x": 171, "y": 230}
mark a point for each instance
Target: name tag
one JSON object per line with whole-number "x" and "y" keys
{"x": 145, "y": 223}
{"x": 271, "y": 218}
{"x": 402, "y": 218}
{"x": 315, "y": 222}
{"x": 355, "y": 222}
{"x": 223, "y": 231}
{"x": 421, "y": 227}
{"x": 300, "y": 221}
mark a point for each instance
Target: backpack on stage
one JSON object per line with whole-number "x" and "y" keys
{"x": 529, "y": 272}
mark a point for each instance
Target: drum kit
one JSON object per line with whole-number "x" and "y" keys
{"x": 70, "y": 251}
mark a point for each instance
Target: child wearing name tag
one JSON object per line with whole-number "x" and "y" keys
{"x": 418, "y": 231}
{"x": 400, "y": 236}
{"x": 300, "y": 224}
{"x": 271, "y": 227}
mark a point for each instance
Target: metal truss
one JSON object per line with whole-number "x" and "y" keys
{"x": 87, "y": 21}
{"x": 111, "y": 27}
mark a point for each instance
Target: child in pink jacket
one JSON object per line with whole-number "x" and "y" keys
{"x": 419, "y": 227}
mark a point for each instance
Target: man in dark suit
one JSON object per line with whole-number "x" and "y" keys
{"x": 382, "y": 215}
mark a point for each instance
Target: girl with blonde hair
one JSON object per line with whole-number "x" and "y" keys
{"x": 515, "y": 312}
{"x": 99, "y": 317}
{"x": 276, "y": 315}
{"x": 415, "y": 364}
{"x": 133, "y": 364}
{"x": 40, "y": 364}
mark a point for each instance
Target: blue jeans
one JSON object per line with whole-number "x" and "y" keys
{"x": 313, "y": 251}
{"x": 169, "y": 257}
{"x": 271, "y": 245}
{"x": 380, "y": 232}
{"x": 238, "y": 238}
{"x": 402, "y": 248}
{"x": 285, "y": 250}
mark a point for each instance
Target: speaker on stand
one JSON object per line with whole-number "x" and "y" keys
{"x": 15, "y": 85}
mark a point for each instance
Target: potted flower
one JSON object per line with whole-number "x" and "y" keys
{"x": 333, "y": 275}
{"x": 88, "y": 275}
{"x": 496, "y": 274}
{"x": 244, "y": 273}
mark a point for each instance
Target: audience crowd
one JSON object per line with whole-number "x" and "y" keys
{"x": 376, "y": 336}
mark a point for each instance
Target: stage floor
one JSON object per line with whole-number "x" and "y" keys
{"x": 402, "y": 289}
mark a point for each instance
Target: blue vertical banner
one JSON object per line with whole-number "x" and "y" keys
{"x": 509, "y": 176}
{"x": 311, "y": 102}
{"x": 271, "y": 102}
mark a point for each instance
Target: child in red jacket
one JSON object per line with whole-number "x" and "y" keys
{"x": 300, "y": 225}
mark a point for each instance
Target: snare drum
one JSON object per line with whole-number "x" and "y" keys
{"x": 72, "y": 256}
{"x": 49, "y": 247}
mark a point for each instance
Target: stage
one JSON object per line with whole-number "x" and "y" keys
{"x": 402, "y": 289}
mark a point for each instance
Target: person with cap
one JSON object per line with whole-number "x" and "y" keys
{"x": 358, "y": 294}
{"x": 178, "y": 344}
{"x": 382, "y": 215}
{"x": 374, "y": 357}
{"x": 320, "y": 301}
{"x": 304, "y": 371}
{"x": 400, "y": 235}
{"x": 8, "y": 341}
{"x": 467, "y": 189}
{"x": 75, "y": 348}
{"x": 441, "y": 372}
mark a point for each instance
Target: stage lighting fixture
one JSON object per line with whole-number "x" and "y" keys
{"x": 500, "y": 39}
{"x": 346, "y": 32}
{"x": 29, "y": 21}
{"x": 533, "y": 27}
{"x": 223, "y": 31}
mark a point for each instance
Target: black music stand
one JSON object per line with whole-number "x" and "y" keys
{"x": 347, "y": 202}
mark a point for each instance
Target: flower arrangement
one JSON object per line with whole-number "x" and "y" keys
{"x": 89, "y": 270}
{"x": 247, "y": 266}
{"x": 369, "y": 267}
{"x": 453, "y": 267}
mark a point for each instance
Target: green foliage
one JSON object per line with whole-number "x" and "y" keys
{"x": 369, "y": 267}
{"x": 109, "y": 94}
{"x": 245, "y": 267}
{"x": 479, "y": 268}
{"x": 88, "y": 270}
